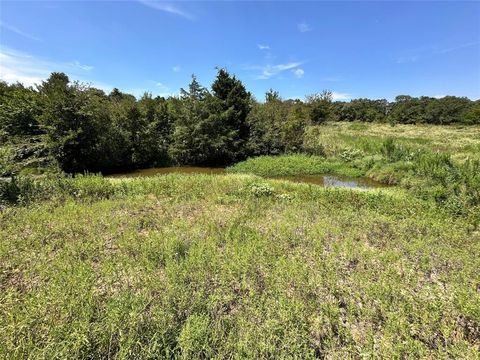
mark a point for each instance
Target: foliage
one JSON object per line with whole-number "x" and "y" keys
{"x": 290, "y": 165}
{"x": 293, "y": 128}
{"x": 71, "y": 135}
{"x": 211, "y": 128}
{"x": 472, "y": 115}
{"x": 19, "y": 110}
{"x": 365, "y": 110}
{"x": 266, "y": 122}
{"x": 320, "y": 106}
{"x": 260, "y": 189}
{"x": 443, "y": 111}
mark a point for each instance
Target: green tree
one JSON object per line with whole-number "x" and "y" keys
{"x": 19, "y": 110}
{"x": 189, "y": 137}
{"x": 472, "y": 115}
{"x": 78, "y": 125}
{"x": 363, "y": 110}
{"x": 156, "y": 130}
{"x": 320, "y": 106}
{"x": 407, "y": 110}
{"x": 293, "y": 128}
{"x": 446, "y": 110}
{"x": 266, "y": 121}
{"x": 211, "y": 128}
{"x": 120, "y": 107}
{"x": 69, "y": 140}
{"x": 231, "y": 105}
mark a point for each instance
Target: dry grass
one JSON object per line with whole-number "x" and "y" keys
{"x": 461, "y": 141}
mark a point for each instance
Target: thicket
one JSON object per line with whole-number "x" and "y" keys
{"x": 77, "y": 128}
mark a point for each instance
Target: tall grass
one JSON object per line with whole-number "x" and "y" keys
{"x": 428, "y": 174}
{"x": 462, "y": 142}
{"x": 296, "y": 164}
{"x": 234, "y": 266}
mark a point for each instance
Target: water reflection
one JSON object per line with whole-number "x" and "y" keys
{"x": 321, "y": 180}
{"x": 335, "y": 181}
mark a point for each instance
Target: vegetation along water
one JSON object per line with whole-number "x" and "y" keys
{"x": 232, "y": 260}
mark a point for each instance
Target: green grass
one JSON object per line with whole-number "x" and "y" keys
{"x": 462, "y": 142}
{"x": 291, "y": 165}
{"x": 239, "y": 266}
{"x": 405, "y": 156}
{"x": 233, "y": 266}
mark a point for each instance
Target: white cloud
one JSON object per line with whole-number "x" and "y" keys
{"x": 269, "y": 71}
{"x": 421, "y": 53}
{"x": 176, "y": 68}
{"x": 30, "y": 70}
{"x": 167, "y": 7}
{"x": 11, "y": 77}
{"x": 304, "y": 27}
{"x": 338, "y": 96}
{"x": 263, "y": 47}
{"x": 19, "y": 67}
{"x": 298, "y": 73}
{"x": 458, "y": 47}
{"x": 18, "y": 31}
{"x": 439, "y": 96}
{"x": 77, "y": 64}
{"x": 162, "y": 87}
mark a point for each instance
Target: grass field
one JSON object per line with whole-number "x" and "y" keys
{"x": 234, "y": 266}
{"x": 239, "y": 266}
{"x": 462, "y": 142}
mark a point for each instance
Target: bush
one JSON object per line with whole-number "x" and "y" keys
{"x": 394, "y": 152}
{"x": 260, "y": 189}
{"x": 26, "y": 189}
{"x": 350, "y": 154}
{"x": 15, "y": 190}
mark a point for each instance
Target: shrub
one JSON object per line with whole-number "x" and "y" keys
{"x": 260, "y": 189}
{"x": 16, "y": 189}
{"x": 350, "y": 154}
{"x": 394, "y": 152}
{"x": 25, "y": 189}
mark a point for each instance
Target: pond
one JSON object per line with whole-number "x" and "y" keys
{"x": 170, "y": 170}
{"x": 321, "y": 180}
{"x": 335, "y": 181}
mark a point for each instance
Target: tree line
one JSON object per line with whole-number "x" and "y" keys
{"x": 85, "y": 129}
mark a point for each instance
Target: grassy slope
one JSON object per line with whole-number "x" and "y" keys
{"x": 461, "y": 141}
{"x": 223, "y": 266}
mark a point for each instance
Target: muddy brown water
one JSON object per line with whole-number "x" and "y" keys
{"x": 321, "y": 180}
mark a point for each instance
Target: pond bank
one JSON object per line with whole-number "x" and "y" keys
{"x": 325, "y": 180}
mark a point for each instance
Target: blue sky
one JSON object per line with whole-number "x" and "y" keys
{"x": 355, "y": 49}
